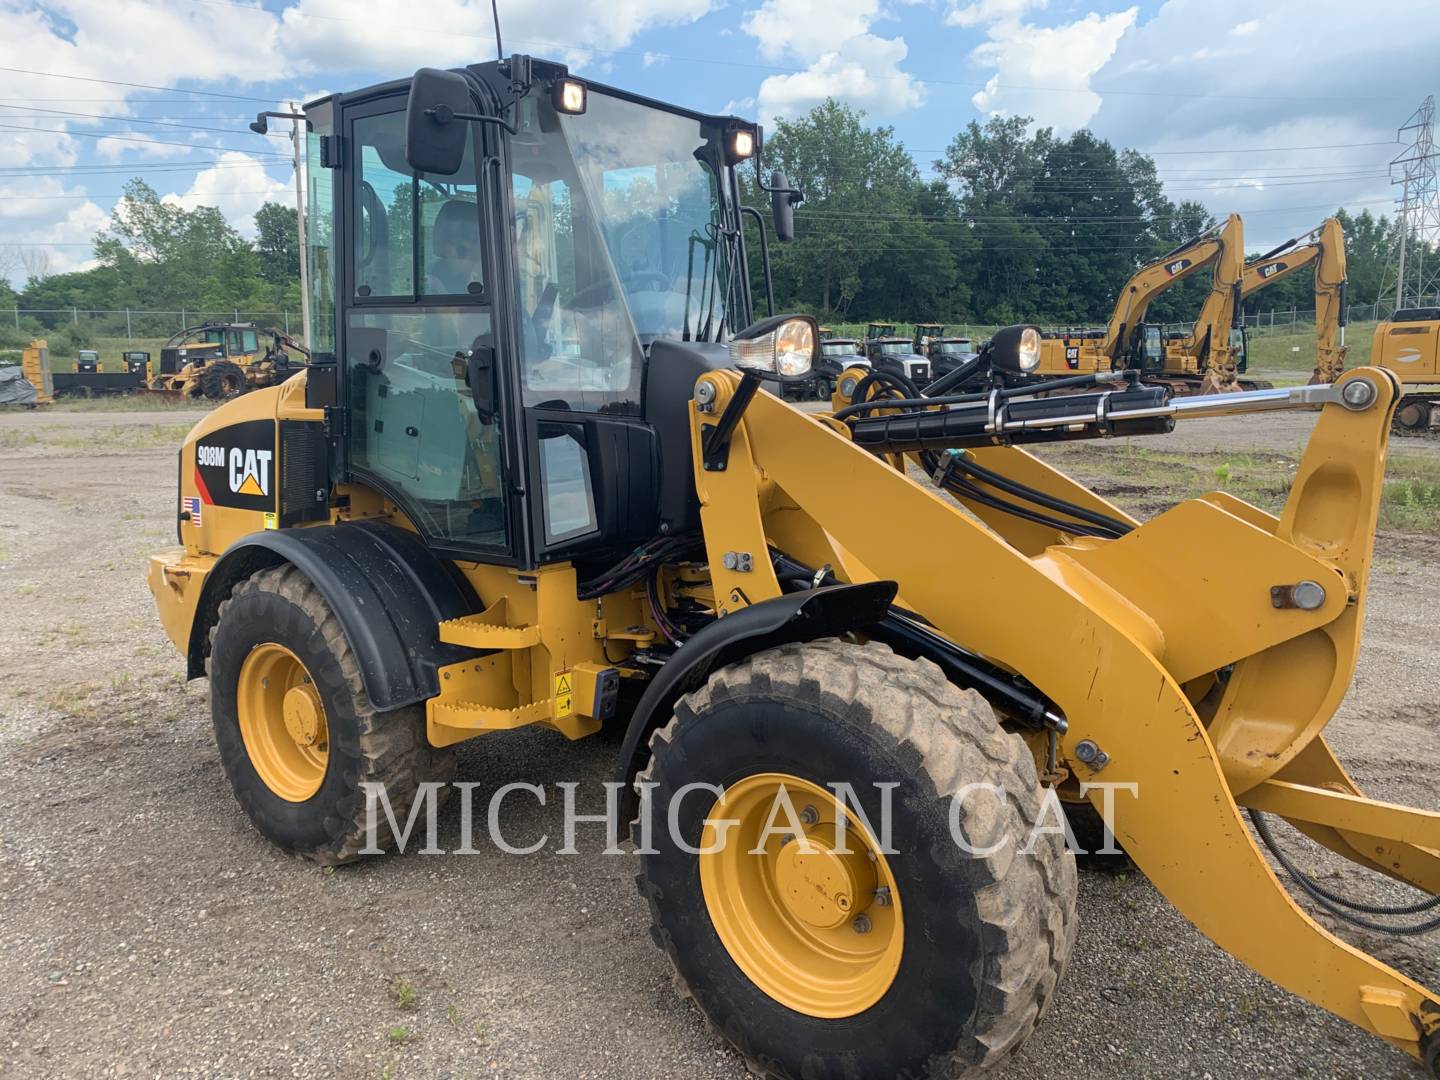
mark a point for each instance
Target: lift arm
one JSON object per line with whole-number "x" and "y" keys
{"x": 1127, "y": 637}
{"x": 1324, "y": 247}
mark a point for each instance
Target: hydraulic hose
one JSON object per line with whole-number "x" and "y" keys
{"x": 1342, "y": 907}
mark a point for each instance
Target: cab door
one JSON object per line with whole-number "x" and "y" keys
{"x": 416, "y": 331}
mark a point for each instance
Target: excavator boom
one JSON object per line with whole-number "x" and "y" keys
{"x": 1325, "y": 248}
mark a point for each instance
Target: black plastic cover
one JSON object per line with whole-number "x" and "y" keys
{"x": 800, "y": 616}
{"x": 388, "y": 590}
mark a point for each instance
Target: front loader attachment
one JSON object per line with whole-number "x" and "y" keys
{"x": 1193, "y": 687}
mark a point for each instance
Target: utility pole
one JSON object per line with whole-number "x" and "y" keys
{"x": 297, "y": 143}
{"x": 296, "y": 137}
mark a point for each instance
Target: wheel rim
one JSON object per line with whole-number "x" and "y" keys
{"x": 818, "y": 930}
{"x": 282, "y": 722}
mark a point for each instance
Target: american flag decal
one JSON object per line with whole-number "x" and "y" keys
{"x": 191, "y": 504}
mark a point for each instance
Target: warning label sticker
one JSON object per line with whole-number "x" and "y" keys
{"x": 564, "y": 693}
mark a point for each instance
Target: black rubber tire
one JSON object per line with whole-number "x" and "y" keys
{"x": 222, "y": 380}
{"x": 280, "y": 605}
{"x": 987, "y": 939}
{"x": 1412, "y": 416}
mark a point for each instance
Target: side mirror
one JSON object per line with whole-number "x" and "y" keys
{"x": 434, "y": 136}
{"x": 782, "y": 202}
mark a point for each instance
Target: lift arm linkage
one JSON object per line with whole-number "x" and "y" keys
{"x": 1202, "y": 689}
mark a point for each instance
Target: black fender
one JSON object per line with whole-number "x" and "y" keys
{"x": 799, "y": 616}
{"x": 385, "y": 586}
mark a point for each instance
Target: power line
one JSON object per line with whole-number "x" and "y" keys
{"x": 138, "y": 86}
{"x": 157, "y": 121}
{"x": 131, "y": 138}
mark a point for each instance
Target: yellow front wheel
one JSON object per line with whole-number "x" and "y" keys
{"x": 821, "y": 896}
{"x": 812, "y": 915}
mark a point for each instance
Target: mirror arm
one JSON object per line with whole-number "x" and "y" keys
{"x": 764, "y": 257}
{"x": 443, "y": 114}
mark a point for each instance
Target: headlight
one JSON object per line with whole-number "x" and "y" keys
{"x": 847, "y": 385}
{"x": 1016, "y": 349}
{"x": 783, "y": 346}
{"x": 1029, "y": 349}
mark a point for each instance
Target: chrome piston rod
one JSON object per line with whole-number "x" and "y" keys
{"x": 1129, "y": 411}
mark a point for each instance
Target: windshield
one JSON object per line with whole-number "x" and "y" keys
{"x": 828, "y": 349}
{"x": 896, "y": 348}
{"x": 657, "y": 201}
{"x": 955, "y": 348}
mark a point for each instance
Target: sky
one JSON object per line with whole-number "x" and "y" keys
{"x": 1281, "y": 110}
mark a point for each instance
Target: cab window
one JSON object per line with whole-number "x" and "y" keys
{"x": 416, "y": 234}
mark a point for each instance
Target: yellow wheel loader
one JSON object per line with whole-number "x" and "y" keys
{"x": 532, "y": 479}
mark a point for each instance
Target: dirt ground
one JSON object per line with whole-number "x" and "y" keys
{"x": 146, "y": 930}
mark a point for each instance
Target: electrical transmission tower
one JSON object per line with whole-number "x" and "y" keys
{"x": 1416, "y": 280}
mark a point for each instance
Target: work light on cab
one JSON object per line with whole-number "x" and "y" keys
{"x": 783, "y": 346}
{"x": 568, "y": 96}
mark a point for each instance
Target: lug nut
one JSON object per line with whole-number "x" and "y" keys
{"x": 861, "y": 924}
{"x": 809, "y": 816}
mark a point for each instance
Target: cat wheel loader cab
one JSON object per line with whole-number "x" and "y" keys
{"x": 87, "y": 362}
{"x": 531, "y": 464}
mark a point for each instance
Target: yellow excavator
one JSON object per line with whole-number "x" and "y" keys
{"x": 1408, "y": 343}
{"x": 1325, "y": 248}
{"x": 1207, "y": 359}
{"x": 481, "y": 513}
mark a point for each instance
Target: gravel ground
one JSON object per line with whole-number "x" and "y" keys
{"x": 145, "y": 930}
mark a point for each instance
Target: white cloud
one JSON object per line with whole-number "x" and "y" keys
{"x": 1045, "y": 71}
{"x": 238, "y": 184}
{"x": 984, "y": 12}
{"x": 1304, "y": 75}
{"x": 143, "y": 143}
{"x": 863, "y": 72}
{"x": 339, "y": 35}
{"x": 808, "y": 29}
{"x": 841, "y": 57}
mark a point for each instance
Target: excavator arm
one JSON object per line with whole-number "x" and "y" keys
{"x": 1325, "y": 248}
{"x": 1209, "y": 348}
{"x": 1154, "y": 278}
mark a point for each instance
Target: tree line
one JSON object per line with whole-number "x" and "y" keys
{"x": 1015, "y": 225}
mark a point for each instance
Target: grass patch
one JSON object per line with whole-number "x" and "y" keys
{"x": 100, "y": 440}
{"x": 1145, "y": 481}
{"x": 403, "y": 995}
{"x": 131, "y": 403}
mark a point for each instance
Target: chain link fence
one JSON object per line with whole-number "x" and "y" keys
{"x": 131, "y": 324}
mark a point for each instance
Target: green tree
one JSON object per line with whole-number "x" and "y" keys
{"x": 277, "y": 243}
{"x": 861, "y": 242}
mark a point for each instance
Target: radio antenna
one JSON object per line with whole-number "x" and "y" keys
{"x": 499, "y": 49}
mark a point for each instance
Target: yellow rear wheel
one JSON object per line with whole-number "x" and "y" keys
{"x": 814, "y": 917}
{"x": 282, "y": 722}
